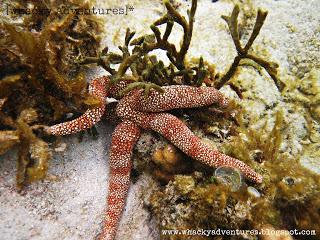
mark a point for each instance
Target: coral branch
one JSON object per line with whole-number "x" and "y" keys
{"x": 137, "y": 59}
{"x": 270, "y": 67}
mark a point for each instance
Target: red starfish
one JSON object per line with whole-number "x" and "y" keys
{"x": 138, "y": 111}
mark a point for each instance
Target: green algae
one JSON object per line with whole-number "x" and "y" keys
{"x": 305, "y": 93}
{"x": 262, "y": 145}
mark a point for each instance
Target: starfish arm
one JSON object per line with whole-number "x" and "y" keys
{"x": 180, "y": 135}
{"x": 179, "y": 96}
{"x": 124, "y": 138}
{"x": 97, "y": 88}
{"x": 115, "y": 90}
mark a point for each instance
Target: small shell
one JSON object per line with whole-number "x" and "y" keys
{"x": 229, "y": 176}
{"x": 253, "y": 192}
{"x": 289, "y": 181}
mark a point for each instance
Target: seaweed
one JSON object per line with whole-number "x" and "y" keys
{"x": 243, "y": 52}
{"x": 146, "y": 69}
{"x": 150, "y": 72}
{"x": 39, "y": 81}
{"x": 176, "y": 57}
{"x": 33, "y": 153}
{"x": 256, "y": 145}
{"x": 8, "y": 139}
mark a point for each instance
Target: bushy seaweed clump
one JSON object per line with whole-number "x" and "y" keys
{"x": 39, "y": 80}
{"x": 148, "y": 72}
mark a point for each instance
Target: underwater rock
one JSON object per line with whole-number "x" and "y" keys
{"x": 146, "y": 144}
{"x": 168, "y": 157}
{"x": 168, "y": 161}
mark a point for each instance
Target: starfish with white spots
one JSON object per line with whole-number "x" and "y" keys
{"x": 138, "y": 111}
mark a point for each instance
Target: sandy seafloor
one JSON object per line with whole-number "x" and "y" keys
{"x": 70, "y": 206}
